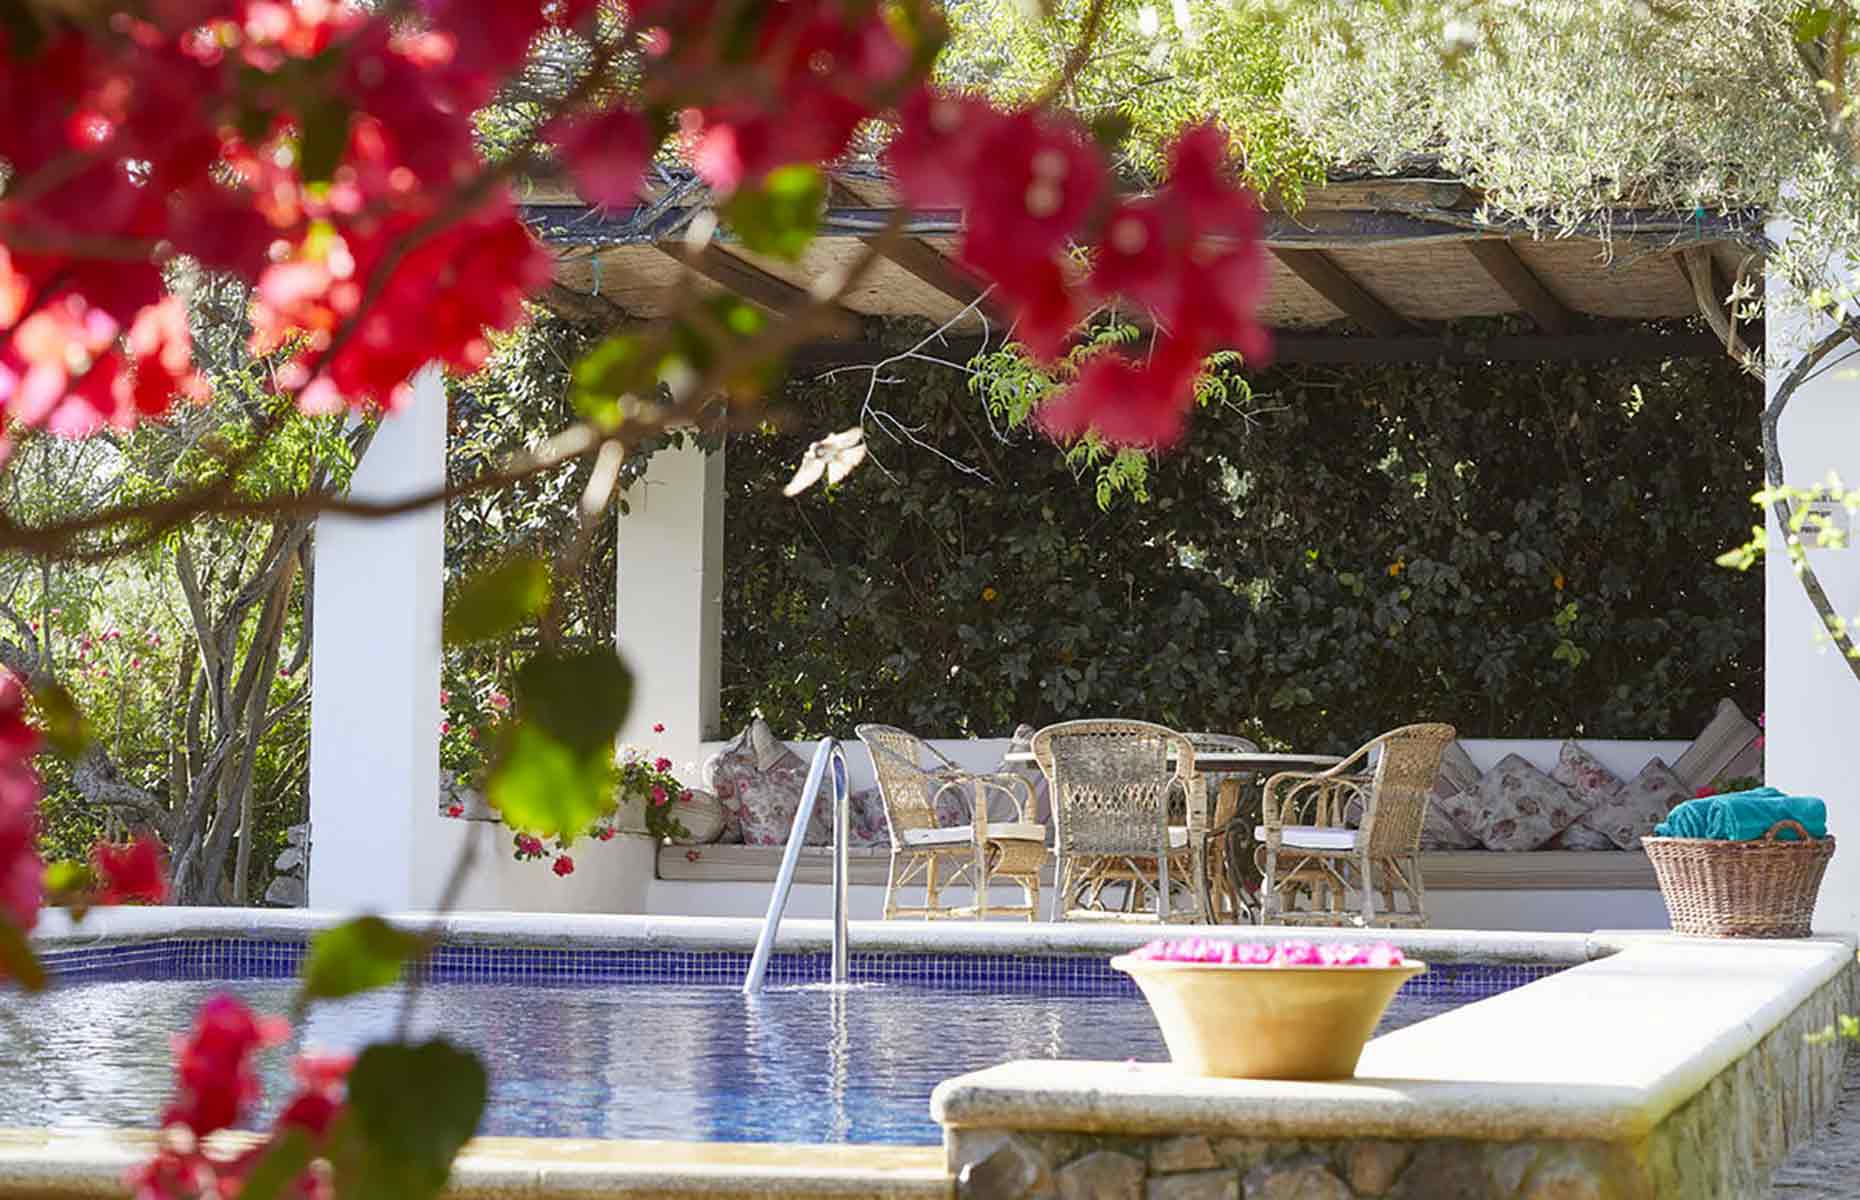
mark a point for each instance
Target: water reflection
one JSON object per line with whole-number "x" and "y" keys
{"x": 642, "y": 1060}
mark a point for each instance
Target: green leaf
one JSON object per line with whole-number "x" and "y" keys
{"x": 543, "y": 786}
{"x": 17, "y": 962}
{"x": 357, "y": 956}
{"x": 410, "y": 1110}
{"x": 604, "y": 374}
{"x": 67, "y": 881}
{"x": 498, "y": 600}
{"x": 65, "y": 729}
{"x": 286, "y": 1157}
{"x": 324, "y": 136}
{"x": 781, "y": 217}
{"x": 1810, "y": 21}
{"x": 578, "y": 699}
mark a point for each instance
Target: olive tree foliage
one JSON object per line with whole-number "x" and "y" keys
{"x": 1567, "y": 109}
{"x": 1150, "y": 69}
{"x": 188, "y": 648}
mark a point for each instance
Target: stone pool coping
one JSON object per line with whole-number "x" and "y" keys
{"x": 1603, "y": 1051}
{"x": 83, "y": 1163}
{"x": 564, "y": 931}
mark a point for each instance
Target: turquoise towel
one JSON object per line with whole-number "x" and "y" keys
{"x": 1745, "y": 816}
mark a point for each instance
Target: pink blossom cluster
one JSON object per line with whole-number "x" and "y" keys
{"x": 215, "y": 1084}
{"x": 1271, "y": 954}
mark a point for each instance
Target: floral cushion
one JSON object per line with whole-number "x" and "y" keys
{"x": 1593, "y": 785}
{"x": 1636, "y": 806}
{"x": 866, "y": 824}
{"x": 1439, "y": 829}
{"x": 758, "y": 781}
{"x": 1515, "y": 807}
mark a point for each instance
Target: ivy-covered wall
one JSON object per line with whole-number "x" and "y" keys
{"x": 1522, "y": 550}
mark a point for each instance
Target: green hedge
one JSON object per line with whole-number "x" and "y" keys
{"x": 1522, "y": 550}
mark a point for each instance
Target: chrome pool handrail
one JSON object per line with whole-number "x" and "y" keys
{"x": 828, "y": 754}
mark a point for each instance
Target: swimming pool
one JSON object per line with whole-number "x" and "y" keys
{"x": 623, "y": 1043}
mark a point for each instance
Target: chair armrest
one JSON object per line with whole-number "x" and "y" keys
{"x": 1011, "y": 784}
{"x": 1321, "y": 786}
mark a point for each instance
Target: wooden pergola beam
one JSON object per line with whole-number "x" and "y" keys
{"x": 1329, "y": 349}
{"x": 732, "y": 274}
{"x": 1322, "y": 274}
{"x": 586, "y": 307}
{"x": 1709, "y": 288}
{"x": 1518, "y": 281}
{"x": 571, "y": 224}
{"x": 929, "y": 265}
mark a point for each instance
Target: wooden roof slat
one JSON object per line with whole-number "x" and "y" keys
{"x": 727, "y": 271}
{"x": 1333, "y": 283}
{"x": 1507, "y": 270}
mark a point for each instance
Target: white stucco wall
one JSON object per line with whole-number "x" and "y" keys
{"x": 374, "y": 717}
{"x": 1810, "y": 695}
{"x": 669, "y": 614}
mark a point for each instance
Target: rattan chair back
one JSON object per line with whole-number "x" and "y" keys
{"x": 905, "y": 785}
{"x": 1407, "y": 760}
{"x": 1111, "y": 784}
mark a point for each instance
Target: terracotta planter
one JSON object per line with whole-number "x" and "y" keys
{"x": 1266, "y": 1022}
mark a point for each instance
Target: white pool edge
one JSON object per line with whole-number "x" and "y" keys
{"x": 581, "y": 931}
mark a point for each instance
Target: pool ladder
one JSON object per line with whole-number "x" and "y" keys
{"x": 829, "y": 756}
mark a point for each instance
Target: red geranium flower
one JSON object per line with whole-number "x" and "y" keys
{"x": 564, "y": 865}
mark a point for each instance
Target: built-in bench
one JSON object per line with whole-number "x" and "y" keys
{"x": 1476, "y": 870}
{"x": 1541, "y": 889}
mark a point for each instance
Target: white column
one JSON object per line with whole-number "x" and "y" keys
{"x": 1810, "y": 694}
{"x": 670, "y": 602}
{"x": 374, "y": 717}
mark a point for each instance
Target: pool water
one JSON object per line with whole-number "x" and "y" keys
{"x": 655, "y": 1058}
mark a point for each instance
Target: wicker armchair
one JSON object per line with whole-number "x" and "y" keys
{"x": 1111, "y": 785}
{"x": 1225, "y": 901}
{"x": 975, "y": 854}
{"x": 1324, "y": 861}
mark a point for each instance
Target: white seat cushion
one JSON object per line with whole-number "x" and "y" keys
{"x": 962, "y": 835}
{"x": 1311, "y": 837}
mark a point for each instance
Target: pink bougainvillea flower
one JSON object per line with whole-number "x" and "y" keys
{"x": 455, "y": 810}
{"x": 445, "y": 697}
{"x": 661, "y": 763}
{"x": 498, "y": 700}
{"x": 606, "y": 153}
{"x": 564, "y": 865}
{"x": 130, "y": 873}
{"x": 1271, "y": 954}
{"x": 320, "y": 1080}
{"x": 658, "y": 727}
{"x": 1128, "y": 402}
{"x": 22, "y": 872}
{"x": 659, "y": 796}
{"x": 213, "y": 1064}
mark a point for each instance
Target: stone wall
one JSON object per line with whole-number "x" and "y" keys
{"x": 1723, "y": 1142}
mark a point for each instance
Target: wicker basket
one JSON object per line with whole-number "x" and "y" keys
{"x": 1760, "y": 889}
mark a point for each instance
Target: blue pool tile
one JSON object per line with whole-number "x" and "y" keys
{"x": 244, "y": 958}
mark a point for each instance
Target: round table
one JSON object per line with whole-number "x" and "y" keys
{"x": 1236, "y": 766}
